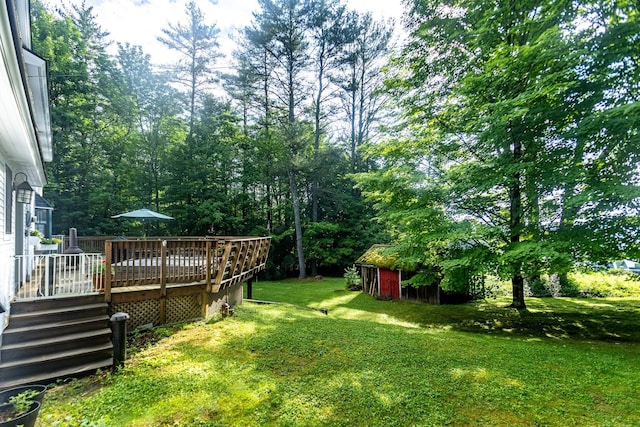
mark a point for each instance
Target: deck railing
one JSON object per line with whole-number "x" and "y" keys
{"x": 96, "y": 244}
{"x": 52, "y": 275}
{"x": 217, "y": 262}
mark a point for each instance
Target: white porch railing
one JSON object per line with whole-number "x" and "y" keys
{"x": 52, "y": 275}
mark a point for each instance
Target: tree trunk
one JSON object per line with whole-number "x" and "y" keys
{"x": 515, "y": 227}
{"x": 353, "y": 126}
{"x": 298, "y": 225}
{"x": 517, "y": 285}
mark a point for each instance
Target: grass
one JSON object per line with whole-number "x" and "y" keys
{"x": 374, "y": 363}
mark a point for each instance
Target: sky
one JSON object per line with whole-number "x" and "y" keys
{"x": 140, "y": 22}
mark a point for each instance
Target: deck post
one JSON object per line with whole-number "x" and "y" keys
{"x": 208, "y": 265}
{"x": 250, "y": 288}
{"x": 163, "y": 283}
{"x": 108, "y": 251}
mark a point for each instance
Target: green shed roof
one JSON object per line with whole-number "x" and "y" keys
{"x": 382, "y": 256}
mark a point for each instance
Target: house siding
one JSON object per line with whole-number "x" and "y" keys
{"x": 25, "y": 138}
{"x": 7, "y": 245}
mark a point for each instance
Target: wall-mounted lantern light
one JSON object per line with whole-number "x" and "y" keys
{"x": 24, "y": 191}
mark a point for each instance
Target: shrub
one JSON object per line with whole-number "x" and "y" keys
{"x": 536, "y": 286}
{"x": 611, "y": 283}
{"x": 352, "y": 278}
{"x": 592, "y": 284}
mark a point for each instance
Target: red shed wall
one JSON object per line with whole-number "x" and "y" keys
{"x": 389, "y": 284}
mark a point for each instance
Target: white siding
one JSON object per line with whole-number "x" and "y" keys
{"x": 6, "y": 252}
{"x": 3, "y": 171}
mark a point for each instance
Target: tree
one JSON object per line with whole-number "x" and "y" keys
{"x": 211, "y": 178}
{"x": 282, "y": 26}
{"x": 150, "y": 111}
{"x": 264, "y": 163}
{"x": 251, "y": 88}
{"x": 365, "y": 52}
{"x": 197, "y": 43}
{"x": 495, "y": 96}
{"x": 598, "y": 207}
{"x": 87, "y": 132}
{"x": 328, "y": 38}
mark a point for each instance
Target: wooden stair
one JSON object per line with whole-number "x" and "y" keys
{"x": 55, "y": 338}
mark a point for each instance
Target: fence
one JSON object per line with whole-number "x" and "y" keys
{"x": 51, "y": 275}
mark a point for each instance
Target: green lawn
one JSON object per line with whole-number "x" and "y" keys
{"x": 375, "y": 363}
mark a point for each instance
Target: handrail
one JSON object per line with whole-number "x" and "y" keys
{"x": 54, "y": 275}
{"x": 217, "y": 262}
{"x": 95, "y": 244}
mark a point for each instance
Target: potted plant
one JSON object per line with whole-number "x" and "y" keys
{"x": 34, "y": 237}
{"x": 20, "y": 406}
{"x": 49, "y": 244}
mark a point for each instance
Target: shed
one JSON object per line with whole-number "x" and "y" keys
{"x": 382, "y": 278}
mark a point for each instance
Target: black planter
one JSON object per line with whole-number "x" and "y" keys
{"x": 28, "y": 419}
{"x": 6, "y": 394}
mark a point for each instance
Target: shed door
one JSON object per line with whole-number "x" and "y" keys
{"x": 389, "y": 284}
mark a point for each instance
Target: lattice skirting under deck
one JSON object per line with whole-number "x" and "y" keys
{"x": 140, "y": 312}
{"x": 178, "y": 309}
{"x": 184, "y": 308}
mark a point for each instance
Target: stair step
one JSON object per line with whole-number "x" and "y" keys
{"x": 55, "y": 338}
{"x": 53, "y": 329}
{"x": 55, "y": 314}
{"x": 18, "y": 307}
{"x": 45, "y": 377}
{"x": 52, "y": 345}
{"x": 56, "y": 356}
{"x": 18, "y": 369}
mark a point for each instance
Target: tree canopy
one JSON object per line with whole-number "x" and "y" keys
{"x": 247, "y": 152}
{"x": 516, "y": 152}
{"x": 502, "y": 139}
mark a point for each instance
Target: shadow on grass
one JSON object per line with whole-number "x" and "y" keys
{"x": 375, "y": 363}
{"x": 563, "y": 318}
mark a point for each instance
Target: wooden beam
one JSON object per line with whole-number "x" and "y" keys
{"x": 226, "y": 252}
{"x": 135, "y": 296}
{"x": 108, "y": 250}
{"x": 163, "y": 283}
{"x": 208, "y": 264}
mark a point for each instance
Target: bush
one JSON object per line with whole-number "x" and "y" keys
{"x": 610, "y": 283}
{"x": 592, "y": 284}
{"x": 537, "y": 287}
{"x": 352, "y": 278}
{"x": 496, "y": 287}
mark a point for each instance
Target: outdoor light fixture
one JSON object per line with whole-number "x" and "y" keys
{"x": 24, "y": 191}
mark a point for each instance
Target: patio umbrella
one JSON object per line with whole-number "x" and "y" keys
{"x": 144, "y": 215}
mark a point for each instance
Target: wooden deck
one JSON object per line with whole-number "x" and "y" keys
{"x": 163, "y": 279}
{"x": 161, "y": 267}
